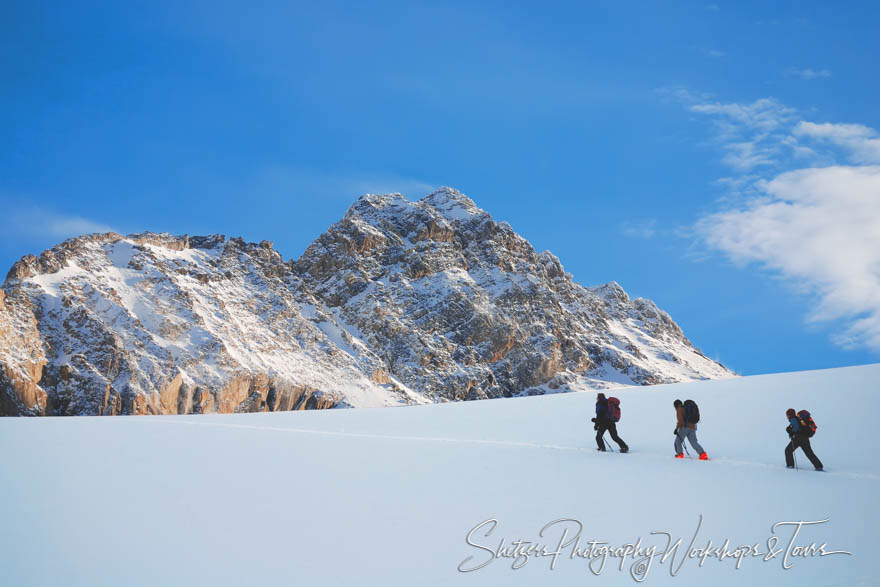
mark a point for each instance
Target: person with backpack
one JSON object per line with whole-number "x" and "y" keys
{"x": 687, "y": 415}
{"x": 607, "y": 416}
{"x": 800, "y": 429}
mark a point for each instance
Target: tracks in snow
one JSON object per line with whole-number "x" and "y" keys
{"x": 505, "y": 443}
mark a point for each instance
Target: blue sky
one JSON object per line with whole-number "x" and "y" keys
{"x": 719, "y": 158}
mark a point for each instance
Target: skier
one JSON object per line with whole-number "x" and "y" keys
{"x": 800, "y": 428}
{"x": 686, "y": 417}
{"x": 606, "y": 418}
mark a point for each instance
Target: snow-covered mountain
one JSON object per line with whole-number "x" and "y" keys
{"x": 386, "y": 498}
{"x": 398, "y": 303}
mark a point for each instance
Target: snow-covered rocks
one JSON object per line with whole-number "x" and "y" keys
{"x": 400, "y": 302}
{"x": 466, "y": 309}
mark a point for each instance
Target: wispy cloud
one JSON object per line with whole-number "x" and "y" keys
{"x": 639, "y": 229}
{"x": 66, "y": 226}
{"x": 29, "y": 220}
{"x": 709, "y": 51}
{"x": 765, "y": 115}
{"x": 682, "y": 95}
{"x": 807, "y": 73}
{"x": 800, "y": 211}
{"x": 750, "y": 135}
{"x": 283, "y": 181}
{"x": 861, "y": 142}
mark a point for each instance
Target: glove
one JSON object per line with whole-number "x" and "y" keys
{"x": 675, "y": 432}
{"x": 592, "y": 419}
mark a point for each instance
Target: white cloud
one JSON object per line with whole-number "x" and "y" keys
{"x": 765, "y": 114}
{"x": 820, "y": 228}
{"x": 749, "y": 134}
{"x": 30, "y": 220}
{"x": 862, "y": 142}
{"x": 67, "y": 226}
{"x": 747, "y": 154}
{"x": 808, "y": 73}
{"x": 795, "y": 210}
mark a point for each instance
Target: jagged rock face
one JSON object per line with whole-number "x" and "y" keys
{"x": 154, "y": 324}
{"x": 464, "y": 308}
{"x": 400, "y": 302}
{"x": 23, "y": 360}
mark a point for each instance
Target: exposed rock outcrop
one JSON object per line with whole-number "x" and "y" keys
{"x": 465, "y": 308}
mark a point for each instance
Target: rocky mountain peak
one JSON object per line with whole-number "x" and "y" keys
{"x": 470, "y": 309}
{"x": 453, "y": 205}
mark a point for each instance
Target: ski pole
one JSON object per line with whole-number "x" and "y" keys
{"x": 607, "y": 443}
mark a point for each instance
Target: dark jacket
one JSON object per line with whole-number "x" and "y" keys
{"x": 679, "y": 419}
{"x": 601, "y": 410}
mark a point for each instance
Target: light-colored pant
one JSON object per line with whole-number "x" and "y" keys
{"x": 691, "y": 435}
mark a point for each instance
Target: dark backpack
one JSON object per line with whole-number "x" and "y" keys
{"x": 691, "y": 412}
{"x": 614, "y": 409}
{"x": 807, "y": 424}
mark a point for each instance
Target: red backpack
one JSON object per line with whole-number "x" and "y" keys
{"x": 807, "y": 423}
{"x": 614, "y": 409}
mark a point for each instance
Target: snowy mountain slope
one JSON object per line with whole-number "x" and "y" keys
{"x": 465, "y": 308}
{"x": 159, "y": 324}
{"x": 400, "y": 302}
{"x": 387, "y": 497}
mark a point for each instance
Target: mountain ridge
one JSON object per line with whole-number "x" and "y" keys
{"x": 399, "y": 302}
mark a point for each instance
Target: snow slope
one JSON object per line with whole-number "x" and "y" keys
{"x": 387, "y": 496}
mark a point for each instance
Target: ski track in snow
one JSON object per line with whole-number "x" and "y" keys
{"x": 510, "y": 443}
